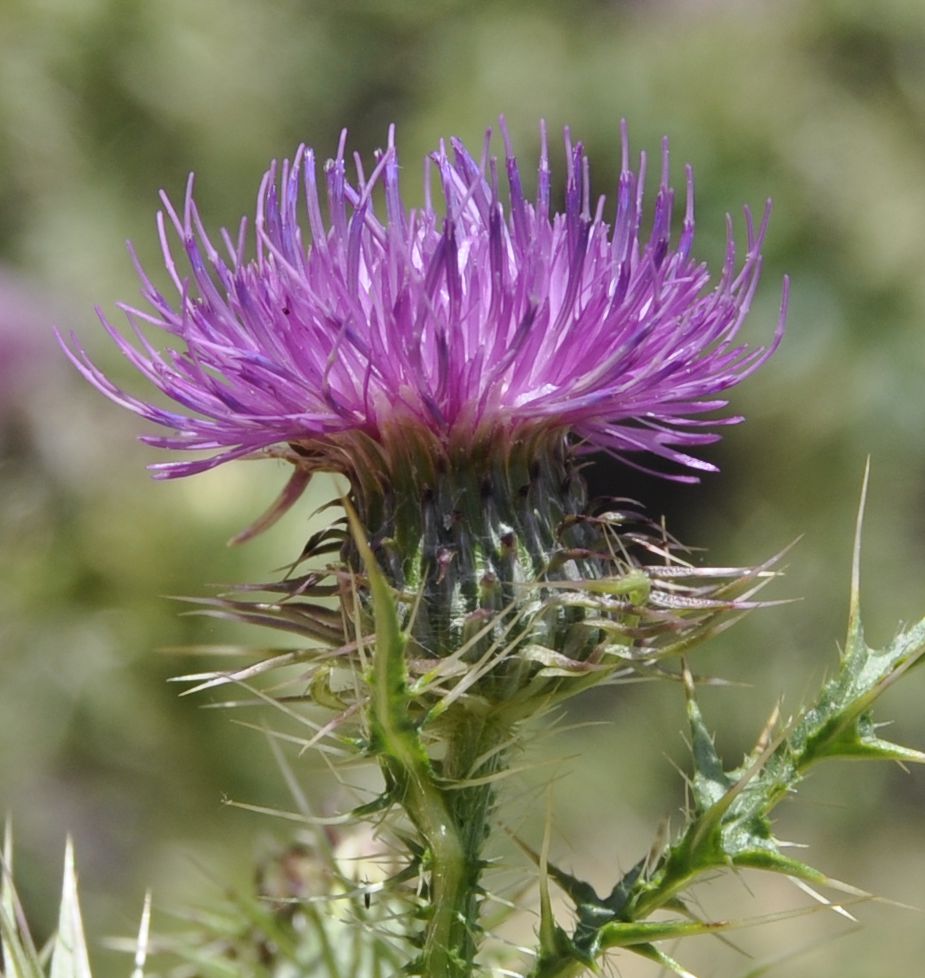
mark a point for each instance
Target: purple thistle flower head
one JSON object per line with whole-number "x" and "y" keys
{"x": 486, "y": 318}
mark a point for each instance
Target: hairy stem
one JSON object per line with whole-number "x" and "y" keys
{"x": 471, "y": 805}
{"x": 449, "y": 814}
{"x": 452, "y": 817}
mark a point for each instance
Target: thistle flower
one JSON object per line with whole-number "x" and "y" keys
{"x": 453, "y": 363}
{"x": 488, "y": 320}
{"x": 454, "y": 366}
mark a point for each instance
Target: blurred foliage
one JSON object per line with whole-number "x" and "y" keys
{"x": 817, "y": 103}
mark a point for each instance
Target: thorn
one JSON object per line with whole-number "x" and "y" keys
{"x": 766, "y": 735}
{"x": 547, "y": 921}
{"x": 855, "y": 604}
{"x": 819, "y": 898}
{"x": 141, "y": 947}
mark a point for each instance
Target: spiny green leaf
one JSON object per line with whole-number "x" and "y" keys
{"x": 840, "y": 724}
{"x": 710, "y": 782}
{"x": 577, "y": 890}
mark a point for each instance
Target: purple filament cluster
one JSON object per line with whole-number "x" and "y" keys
{"x": 488, "y": 314}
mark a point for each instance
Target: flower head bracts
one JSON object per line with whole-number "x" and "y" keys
{"x": 488, "y": 317}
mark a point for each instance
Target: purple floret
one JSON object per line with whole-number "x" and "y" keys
{"x": 489, "y": 317}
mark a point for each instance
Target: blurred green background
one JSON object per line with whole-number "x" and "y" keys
{"x": 819, "y": 104}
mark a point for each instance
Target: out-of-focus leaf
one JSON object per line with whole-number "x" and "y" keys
{"x": 69, "y": 958}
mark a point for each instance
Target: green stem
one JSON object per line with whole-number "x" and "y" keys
{"x": 446, "y": 951}
{"x": 452, "y": 819}
{"x": 450, "y": 816}
{"x": 471, "y": 806}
